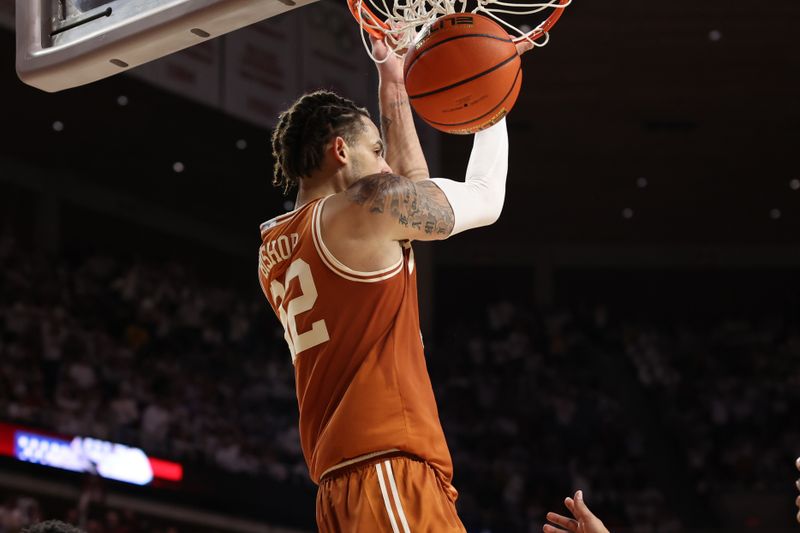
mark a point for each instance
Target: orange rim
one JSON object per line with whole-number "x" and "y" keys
{"x": 545, "y": 26}
{"x": 369, "y": 17}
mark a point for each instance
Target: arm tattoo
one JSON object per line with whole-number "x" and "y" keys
{"x": 419, "y": 205}
{"x": 386, "y": 123}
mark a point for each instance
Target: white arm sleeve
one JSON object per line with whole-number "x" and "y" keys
{"x": 478, "y": 201}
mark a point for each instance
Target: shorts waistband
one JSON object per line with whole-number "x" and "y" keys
{"x": 364, "y": 460}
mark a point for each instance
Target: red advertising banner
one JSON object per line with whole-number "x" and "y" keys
{"x": 85, "y": 454}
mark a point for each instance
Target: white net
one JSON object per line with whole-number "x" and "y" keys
{"x": 405, "y": 19}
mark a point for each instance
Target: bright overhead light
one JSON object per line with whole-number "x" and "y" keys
{"x": 714, "y": 35}
{"x": 241, "y": 144}
{"x": 178, "y": 167}
{"x": 794, "y": 184}
{"x": 627, "y": 213}
{"x": 58, "y": 126}
{"x": 122, "y": 100}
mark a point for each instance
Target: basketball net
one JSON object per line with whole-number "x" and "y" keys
{"x": 406, "y": 19}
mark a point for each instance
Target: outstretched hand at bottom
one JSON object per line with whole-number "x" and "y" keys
{"x": 583, "y": 522}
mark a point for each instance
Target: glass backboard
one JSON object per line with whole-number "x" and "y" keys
{"x": 67, "y": 43}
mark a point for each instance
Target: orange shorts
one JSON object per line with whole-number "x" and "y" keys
{"x": 392, "y": 494}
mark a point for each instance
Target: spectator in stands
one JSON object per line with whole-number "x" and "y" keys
{"x": 18, "y": 512}
{"x": 52, "y": 526}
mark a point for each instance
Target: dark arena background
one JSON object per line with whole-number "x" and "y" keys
{"x": 630, "y": 326}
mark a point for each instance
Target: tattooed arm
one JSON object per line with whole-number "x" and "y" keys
{"x": 382, "y": 209}
{"x": 389, "y": 207}
{"x": 398, "y": 208}
{"x": 403, "y": 150}
{"x": 408, "y": 205}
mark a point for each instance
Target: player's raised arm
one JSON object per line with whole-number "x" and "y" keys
{"x": 390, "y": 206}
{"x": 403, "y": 150}
{"x": 405, "y": 204}
{"x": 478, "y": 200}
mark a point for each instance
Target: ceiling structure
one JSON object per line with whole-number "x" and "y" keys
{"x": 640, "y": 123}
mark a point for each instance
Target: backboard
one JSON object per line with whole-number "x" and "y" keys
{"x": 67, "y": 43}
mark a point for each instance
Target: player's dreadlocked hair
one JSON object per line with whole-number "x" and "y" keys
{"x": 303, "y": 130}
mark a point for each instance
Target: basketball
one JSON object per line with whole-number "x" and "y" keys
{"x": 463, "y": 74}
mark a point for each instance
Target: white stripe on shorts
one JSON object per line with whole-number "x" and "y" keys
{"x": 386, "y": 498}
{"x": 396, "y": 497}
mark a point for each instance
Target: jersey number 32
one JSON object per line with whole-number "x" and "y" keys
{"x": 288, "y": 311}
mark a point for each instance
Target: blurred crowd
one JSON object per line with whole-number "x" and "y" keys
{"x": 154, "y": 355}
{"x": 147, "y": 355}
{"x": 88, "y": 512}
{"x": 728, "y": 393}
{"x": 18, "y": 512}
{"x": 530, "y": 418}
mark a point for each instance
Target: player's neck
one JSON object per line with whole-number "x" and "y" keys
{"x": 315, "y": 187}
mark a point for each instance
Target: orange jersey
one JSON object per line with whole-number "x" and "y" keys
{"x": 354, "y": 337}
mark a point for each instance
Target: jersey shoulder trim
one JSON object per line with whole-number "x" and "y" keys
{"x": 277, "y": 221}
{"x": 337, "y": 266}
{"x": 282, "y": 219}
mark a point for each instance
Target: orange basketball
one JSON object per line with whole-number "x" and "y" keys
{"x": 463, "y": 74}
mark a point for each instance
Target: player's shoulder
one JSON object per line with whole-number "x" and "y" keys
{"x": 389, "y": 206}
{"x": 373, "y": 191}
{"x": 362, "y": 209}
{"x": 376, "y": 194}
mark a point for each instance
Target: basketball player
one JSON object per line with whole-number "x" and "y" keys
{"x": 583, "y": 522}
{"x": 339, "y": 272}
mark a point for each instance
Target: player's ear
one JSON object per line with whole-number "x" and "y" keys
{"x": 339, "y": 150}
